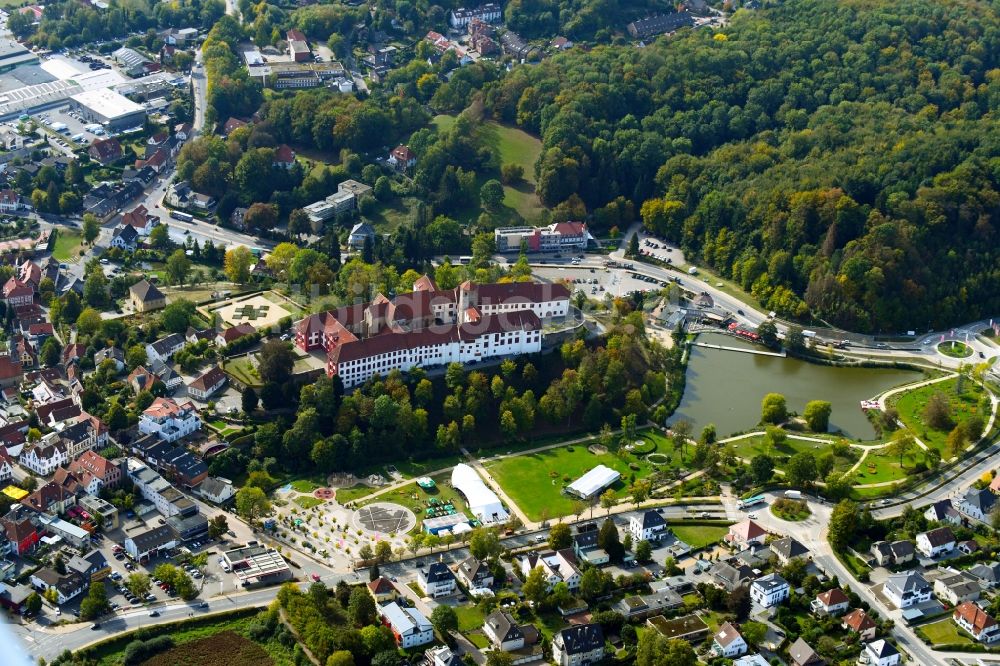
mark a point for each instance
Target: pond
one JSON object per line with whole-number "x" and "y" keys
{"x": 726, "y": 388}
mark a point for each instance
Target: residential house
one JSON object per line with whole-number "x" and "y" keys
{"x": 728, "y": 642}
{"x": 503, "y": 631}
{"x": 559, "y": 567}
{"x": 107, "y": 473}
{"x": 647, "y": 605}
{"x": 892, "y": 554}
{"x": 831, "y": 602}
{"x": 650, "y": 526}
{"x": 860, "y": 623}
{"x": 207, "y": 383}
{"x": 408, "y": 625}
{"x": 437, "y": 580}
{"x": 474, "y": 574}
{"x": 167, "y": 375}
{"x": 402, "y": 158}
{"x": 974, "y": 620}
{"x": 6, "y": 466}
{"x": 92, "y": 567}
{"x": 11, "y": 371}
{"x": 17, "y": 293}
{"x": 51, "y": 498}
{"x": 10, "y": 202}
{"x": 360, "y": 233}
{"x": 754, "y": 556}
{"x": 139, "y": 219}
{"x": 659, "y": 24}
{"x": 149, "y": 543}
{"x": 730, "y": 577}
{"x": 442, "y": 655}
{"x": 96, "y": 506}
{"x": 284, "y": 157}
{"x": 943, "y": 511}
{"x": 769, "y": 590}
{"x": 907, "y": 589}
{"x": 141, "y": 379}
{"x": 988, "y": 574}
{"x": 113, "y": 354}
{"x": 169, "y": 420}
{"x": 969, "y": 546}
{"x": 20, "y": 530}
{"x": 787, "y": 549}
{"x": 802, "y": 654}
{"x": 977, "y": 503}
{"x": 954, "y": 587}
{"x": 67, "y": 586}
{"x": 585, "y": 546}
{"x": 233, "y": 333}
{"x": 936, "y": 542}
{"x": 578, "y": 645}
{"x": 217, "y": 490}
{"x": 164, "y": 348}
{"x": 144, "y": 297}
{"x": 383, "y": 590}
{"x": 43, "y": 459}
{"x": 237, "y": 217}
{"x": 751, "y": 660}
{"x": 106, "y": 151}
{"x": 880, "y": 653}
{"x": 744, "y": 533}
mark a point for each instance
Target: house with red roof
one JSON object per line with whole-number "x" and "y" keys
{"x": 745, "y": 533}
{"x": 402, "y": 158}
{"x": 975, "y": 620}
{"x": 10, "y": 201}
{"x": 139, "y": 219}
{"x": 20, "y": 530}
{"x": 831, "y": 602}
{"x": 106, "y": 151}
{"x": 11, "y": 371}
{"x": 284, "y": 157}
{"x": 16, "y": 292}
{"x": 233, "y": 333}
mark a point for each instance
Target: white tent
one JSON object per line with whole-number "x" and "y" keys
{"x": 483, "y": 502}
{"x": 593, "y": 482}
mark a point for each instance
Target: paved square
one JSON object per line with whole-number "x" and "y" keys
{"x": 255, "y": 310}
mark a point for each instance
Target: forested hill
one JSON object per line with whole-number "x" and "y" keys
{"x": 836, "y": 156}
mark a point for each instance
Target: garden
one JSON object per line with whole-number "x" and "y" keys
{"x": 535, "y": 481}
{"x": 944, "y": 632}
{"x": 934, "y": 411}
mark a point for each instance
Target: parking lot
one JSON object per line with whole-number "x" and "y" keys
{"x": 70, "y": 126}
{"x": 596, "y": 282}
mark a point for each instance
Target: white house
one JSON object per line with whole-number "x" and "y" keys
{"x": 831, "y": 602}
{"x": 880, "y": 653}
{"x": 977, "y": 503}
{"x": 769, "y": 590}
{"x": 728, "y": 642}
{"x": 579, "y": 645}
{"x": 974, "y": 620}
{"x": 6, "y": 467}
{"x": 954, "y": 587}
{"x": 943, "y": 511}
{"x": 164, "y": 348}
{"x": 408, "y": 625}
{"x": 148, "y": 543}
{"x": 207, "y": 383}
{"x": 169, "y": 420}
{"x": 67, "y": 586}
{"x": 745, "y": 533}
{"x": 503, "y": 631}
{"x": 907, "y": 589}
{"x": 936, "y": 542}
{"x": 650, "y": 526}
{"x": 45, "y": 459}
{"x": 558, "y": 568}
{"x": 437, "y": 580}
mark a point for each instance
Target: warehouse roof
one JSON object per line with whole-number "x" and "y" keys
{"x": 108, "y": 103}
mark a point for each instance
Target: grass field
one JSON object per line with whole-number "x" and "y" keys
{"x": 391, "y": 215}
{"x": 535, "y": 481}
{"x": 944, "y": 632}
{"x": 512, "y": 146}
{"x": 699, "y": 536}
{"x": 911, "y": 406}
{"x": 754, "y": 446}
{"x": 67, "y": 247}
{"x": 307, "y": 501}
{"x": 304, "y": 485}
{"x": 469, "y": 617}
{"x": 345, "y": 495}
{"x": 416, "y": 499}
{"x": 239, "y": 651}
{"x": 240, "y": 369}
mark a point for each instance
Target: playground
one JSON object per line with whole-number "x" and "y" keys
{"x": 259, "y": 310}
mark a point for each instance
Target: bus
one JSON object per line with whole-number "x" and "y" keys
{"x": 751, "y": 501}
{"x": 178, "y": 215}
{"x": 465, "y": 260}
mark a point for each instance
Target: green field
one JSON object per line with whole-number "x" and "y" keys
{"x": 755, "y": 446}
{"x": 307, "y": 501}
{"x": 512, "y": 146}
{"x": 944, "y": 632}
{"x": 67, "y": 246}
{"x": 911, "y": 406}
{"x": 469, "y": 617}
{"x": 304, "y": 485}
{"x": 535, "y": 481}
{"x": 345, "y": 495}
{"x": 241, "y": 369}
{"x": 699, "y": 536}
{"x": 393, "y": 214}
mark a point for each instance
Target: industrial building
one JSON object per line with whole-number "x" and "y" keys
{"x": 109, "y": 108}
{"x": 14, "y": 55}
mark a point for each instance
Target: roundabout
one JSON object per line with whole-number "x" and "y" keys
{"x": 954, "y": 349}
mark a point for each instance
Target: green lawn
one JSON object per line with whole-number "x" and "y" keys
{"x": 754, "y": 446}
{"x": 699, "y": 536}
{"x": 911, "y": 406}
{"x": 240, "y": 369}
{"x": 944, "y": 632}
{"x": 304, "y": 485}
{"x": 535, "y": 481}
{"x": 307, "y": 501}
{"x": 393, "y": 214}
{"x": 469, "y": 617}
{"x": 345, "y": 495}
{"x": 67, "y": 247}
